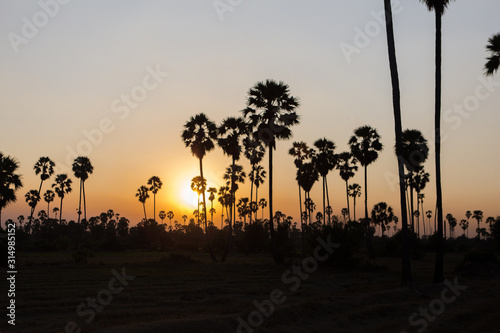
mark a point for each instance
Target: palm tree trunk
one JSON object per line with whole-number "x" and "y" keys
{"x": 154, "y": 207}
{"x": 256, "y": 201}
{"x": 84, "y": 203}
{"x": 396, "y": 98}
{"x": 274, "y": 244}
{"x": 327, "y": 200}
{"x": 144, "y": 207}
{"x": 438, "y": 269}
{"x": 300, "y": 205}
{"x": 354, "y": 207}
{"x": 324, "y": 195}
{"x": 205, "y": 213}
{"x": 80, "y": 202}
{"x": 60, "y": 212}
{"x": 411, "y": 209}
{"x": 347, "y": 196}
{"x": 366, "y": 192}
{"x": 251, "y": 198}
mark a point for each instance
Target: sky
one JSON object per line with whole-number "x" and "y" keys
{"x": 116, "y": 81}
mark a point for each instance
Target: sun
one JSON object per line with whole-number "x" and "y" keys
{"x": 189, "y": 197}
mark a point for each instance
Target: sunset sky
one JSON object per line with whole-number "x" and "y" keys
{"x": 116, "y": 80}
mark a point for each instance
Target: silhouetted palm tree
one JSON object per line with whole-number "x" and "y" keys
{"x": 198, "y": 185}
{"x": 478, "y": 215}
{"x": 10, "y": 181}
{"x": 263, "y": 204}
{"x": 142, "y": 194}
{"x": 468, "y": 215}
{"x": 493, "y": 48}
{"x": 82, "y": 168}
{"x": 45, "y": 167}
{"x": 199, "y": 134}
{"x": 211, "y": 198}
{"x": 439, "y": 7}
{"x": 302, "y": 153}
{"x": 155, "y": 185}
{"x": 225, "y": 200}
{"x": 62, "y": 186}
{"x": 417, "y": 182}
{"x": 382, "y": 215}
{"x": 464, "y": 225}
{"x": 307, "y": 175}
{"x": 162, "y": 215}
{"x": 271, "y": 111}
{"x": 346, "y": 163}
{"x": 32, "y": 198}
{"x": 354, "y": 192}
{"x": 324, "y": 161}
{"x": 234, "y": 175}
{"x": 170, "y": 216}
{"x": 49, "y": 196}
{"x": 257, "y": 177}
{"x": 254, "y": 151}
{"x": 429, "y": 215}
{"x": 398, "y": 130}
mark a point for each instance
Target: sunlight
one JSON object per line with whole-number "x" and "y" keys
{"x": 189, "y": 197}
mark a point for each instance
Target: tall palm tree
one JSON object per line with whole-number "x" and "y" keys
{"x": 198, "y": 185}
{"x": 49, "y": 196}
{"x": 82, "y": 168}
{"x": 398, "y": 130}
{"x": 10, "y": 181}
{"x": 45, "y": 167}
{"x": 365, "y": 145}
{"x": 256, "y": 177}
{"x": 170, "y": 216}
{"x": 271, "y": 111}
{"x": 199, "y": 135}
{"x": 62, "y": 186}
{"x": 493, "y": 48}
{"x": 230, "y": 134}
{"x": 254, "y": 151}
{"x": 302, "y": 153}
{"x": 439, "y": 7}
{"x": 307, "y": 175}
{"x": 32, "y": 198}
{"x": 155, "y": 185}
{"x": 142, "y": 194}
{"x": 325, "y": 160}
{"x": 346, "y": 163}
{"x": 354, "y": 192}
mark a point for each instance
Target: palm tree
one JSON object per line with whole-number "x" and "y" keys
{"x": 45, "y": 167}
{"x": 468, "y": 214}
{"x": 32, "y": 198}
{"x": 271, "y": 111}
{"x": 10, "y": 181}
{"x": 142, "y": 194}
{"x": 464, "y": 224}
{"x": 398, "y": 130}
{"x": 354, "y": 192}
{"x": 325, "y": 160}
{"x": 184, "y": 218}
{"x": 155, "y": 185}
{"x": 162, "y": 215}
{"x": 382, "y": 214}
{"x": 301, "y": 152}
{"x": 199, "y": 135}
{"x": 254, "y": 151}
{"x": 439, "y": 7}
{"x": 55, "y": 210}
{"x": 170, "y": 216}
{"x": 234, "y": 175}
{"x": 49, "y": 196}
{"x": 243, "y": 209}
{"x": 198, "y": 185}
{"x": 493, "y": 48}
{"x": 307, "y": 175}
{"x": 263, "y": 204}
{"x": 429, "y": 215}
{"x": 82, "y": 168}
{"x": 417, "y": 182}
{"x": 346, "y": 163}
{"x": 211, "y": 198}
{"x": 62, "y": 186}
{"x": 225, "y": 200}
{"x": 478, "y": 215}
{"x": 257, "y": 177}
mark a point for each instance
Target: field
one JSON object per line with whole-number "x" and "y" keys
{"x": 187, "y": 293}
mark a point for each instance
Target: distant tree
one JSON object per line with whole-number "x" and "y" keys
{"x": 325, "y": 161}
{"x": 271, "y": 113}
{"x": 225, "y": 199}
{"x": 233, "y": 176}
{"x": 452, "y": 222}
{"x": 263, "y": 204}
{"x": 417, "y": 181}
{"x": 62, "y": 186}
{"x": 307, "y": 175}
{"x": 32, "y": 198}
{"x": 82, "y": 168}
{"x": 184, "y": 218}
{"x": 170, "y": 216}
{"x": 468, "y": 215}
{"x": 346, "y": 163}
{"x": 382, "y": 215}
{"x": 198, "y": 185}
{"x": 464, "y": 224}
{"x": 155, "y": 185}
{"x": 243, "y": 209}
{"x": 478, "y": 215}
{"x": 302, "y": 154}
{"x": 143, "y": 195}
{"x": 254, "y": 151}
{"x": 354, "y": 192}
{"x": 345, "y": 214}
{"x": 429, "y": 215}
{"x": 199, "y": 134}
{"x": 256, "y": 177}
{"x": 211, "y": 198}
{"x": 10, "y": 181}
{"x": 493, "y": 47}
{"x": 162, "y": 215}
{"x": 55, "y": 210}
{"x": 49, "y": 196}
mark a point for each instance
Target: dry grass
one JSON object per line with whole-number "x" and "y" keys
{"x": 175, "y": 294}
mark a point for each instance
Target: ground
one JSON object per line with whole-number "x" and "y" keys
{"x": 162, "y": 293}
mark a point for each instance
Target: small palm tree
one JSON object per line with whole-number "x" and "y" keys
{"x": 325, "y": 161}
{"x": 478, "y": 215}
{"x": 198, "y": 185}
{"x": 257, "y": 177}
{"x": 82, "y": 168}
{"x": 55, "y": 210}
{"x": 162, "y": 215}
{"x": 211, "y": 198}
{"x": 254, "y": 151}
{"x": 464, "y": 224}
{"x": 302, "y": 153}
{"x": 142, "y": 194}
{"x": 382, "y": 215}
{"x": 307, "y": 175}
{"x": 184, "y": 218}
{"x": 271, "y": 113}
{"x": 62, "y": 186}
{"x": 170, "y": 216}
{"x": 32, "y": 198}
{"x": 346, "y": 163}
{"x": 263, "y": 204}
{"x": 10, "y": 181}
{"x": 155, "y": 185}
{"x": 468, "y": 215}
{"x": 354, "y": 192}
{"x": 45, "y": 167}
{"x": 49, "y": 196}
{"x": 493, "y": 48}
{"x": 199, "y": 135}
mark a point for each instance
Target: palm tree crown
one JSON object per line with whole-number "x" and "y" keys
{"x": 199, "y": 134}
{"x": 365, "y": 145}
{"x": 493, "y": 48}
{"x": 10, "y": 181}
